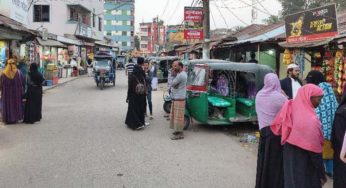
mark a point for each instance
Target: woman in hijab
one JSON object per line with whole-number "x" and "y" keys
{"x": 11, "y": 86}
{"x": 136, "y": 99}
{"x": 325, "y": 112}
{"x": 33, "y": 104}
{"x": 338, "y": 132}
{"x": 269, "y": 101}
{"x": 302, "y": 138}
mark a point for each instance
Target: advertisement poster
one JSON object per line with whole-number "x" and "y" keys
{"x": 193, "y": 27}
{"x": 15, "y": 9}
{"x": 194, "y": 14}
{"x": 312, "y": 25}
{"x": 193, "y": 34}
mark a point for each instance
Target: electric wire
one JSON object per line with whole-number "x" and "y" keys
{"x": 224, "y": 19}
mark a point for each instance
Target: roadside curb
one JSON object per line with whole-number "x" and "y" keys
{"x": 59, "y": 84}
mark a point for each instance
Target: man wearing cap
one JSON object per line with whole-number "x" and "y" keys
{"x": 291, "y": 83}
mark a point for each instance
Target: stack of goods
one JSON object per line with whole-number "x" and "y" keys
{"x": 328, "y": 67}
{"x": 339, "y": 73}
{"x": 287, "y": 59}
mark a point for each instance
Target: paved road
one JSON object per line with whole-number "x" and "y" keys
{"x": 82, "y": 141}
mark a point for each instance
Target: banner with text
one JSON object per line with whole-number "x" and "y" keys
{"x": 193, "y": 34}
{"x": 312, "y": 25}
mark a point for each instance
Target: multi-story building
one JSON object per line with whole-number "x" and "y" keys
{"x": 152, "y": 37}
{"x": 75, "y": 24}
{"x": 119, "y": 22}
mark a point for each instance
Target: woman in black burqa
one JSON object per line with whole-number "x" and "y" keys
{"x": 338, "y": 132}
{"x": 33, "y": 95}
{"x": 135, "y": 118}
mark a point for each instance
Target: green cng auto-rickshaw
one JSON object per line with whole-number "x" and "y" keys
{"x": 222, "y": 92}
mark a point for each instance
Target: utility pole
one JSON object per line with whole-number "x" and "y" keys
{"x": 206, "y": 29}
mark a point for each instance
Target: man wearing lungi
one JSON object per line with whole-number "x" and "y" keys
{"x": 178, "y": 98}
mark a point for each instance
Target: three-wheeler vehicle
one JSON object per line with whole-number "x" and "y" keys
{"x": 164, "y": 64}
{"x": 104, "y": 70}
{"x": 222, "y": 92}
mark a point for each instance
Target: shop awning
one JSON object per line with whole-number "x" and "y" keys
{"x": 49, "y": 42}
{"x": 305, "y": 44}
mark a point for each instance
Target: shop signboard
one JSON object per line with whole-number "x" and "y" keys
{"x": 15, "y": 9}
{"x": 193, "y": 34}
{"x": 194, "y": 14}
{"x": 311, "y": 25}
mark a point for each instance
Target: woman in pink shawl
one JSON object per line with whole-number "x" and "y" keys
{"x": 269, "y": 101}
{"x": 302, "y": 138}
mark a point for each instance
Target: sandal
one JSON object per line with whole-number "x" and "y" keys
{"x": 177, "y": 137}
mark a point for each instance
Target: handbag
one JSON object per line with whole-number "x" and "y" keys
{"x": 140, "y": 88}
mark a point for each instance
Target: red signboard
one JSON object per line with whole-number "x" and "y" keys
{"x": 193, "y": 34}
{"x": 194, "y": 14}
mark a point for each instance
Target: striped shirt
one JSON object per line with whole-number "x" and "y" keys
{"x": 129, "y": 67}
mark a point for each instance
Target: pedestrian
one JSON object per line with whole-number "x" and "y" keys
{"x": 339, "y": 145}
{"x": 291, "y": 83}
{"x": 153, "y": 72}
{"x": 90, "y": 67}
{"x": 302, "y": 139}
{"x": 169, "y": 88}
{"x": 129, "y": 67}
{"x": 149, "y": 77}
{"x": 178, "y": 100}
{"x": 33, "y": 95}
{"x": 11, "y": 86}
{"x": 136, "y": 97}
{"x": 325, "y": 112}
{"x": 253, "y": 58}
{"x": 269, "y": 101}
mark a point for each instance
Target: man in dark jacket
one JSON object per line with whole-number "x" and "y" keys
{"x": 291, "y": 83}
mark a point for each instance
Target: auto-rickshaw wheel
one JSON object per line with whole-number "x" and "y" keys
{"x": 167, "y": 106}
{"x": 187, "y": 122}
{"x": 102, "y": 84}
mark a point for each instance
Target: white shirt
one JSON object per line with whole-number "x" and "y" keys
{"x": 295, "y": 86}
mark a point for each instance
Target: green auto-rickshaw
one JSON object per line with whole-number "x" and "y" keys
{"x": 223, "y": 92}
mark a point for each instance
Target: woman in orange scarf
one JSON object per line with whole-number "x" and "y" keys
{"x": 11, "y": 86}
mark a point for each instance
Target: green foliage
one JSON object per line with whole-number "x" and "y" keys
{"x": 271, "y": 20}
{"x": 294, "y": 6}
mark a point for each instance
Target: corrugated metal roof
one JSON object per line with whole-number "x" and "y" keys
{"x": 49, "y": 42}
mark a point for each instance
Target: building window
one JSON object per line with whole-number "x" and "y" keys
{"x": 73, "y": 14}
{"x": 108, "y": 22}
{"x": 124, "y": 44}
{"x": 144, "y": 46}
{"x": 132, "y": 33}
{"x": 124, "y": 23}
{"x": 144, "y": 38}
{"x": 100, "y": 24}
{"x": 124, "y": 12}
{"x": 109, "y": 33}
{"x": 144, "y": 29}
{"x": 124, "y": 33}
{"x": 94, "y": 20}
{"x": 41, "y": 13}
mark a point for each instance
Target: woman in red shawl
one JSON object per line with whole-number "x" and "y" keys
{"x": 302, "y": 138}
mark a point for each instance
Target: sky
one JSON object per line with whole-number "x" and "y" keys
{"x": 171, "y": 11}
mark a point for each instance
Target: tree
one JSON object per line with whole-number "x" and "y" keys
{"x": 137, "y": 43}
{"x": 294, "y": 6}
{"x": 238, "y": 28}
{"x": 272, "y": 19}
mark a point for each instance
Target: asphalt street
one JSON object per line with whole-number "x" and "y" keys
{"x": 82, "y": 141}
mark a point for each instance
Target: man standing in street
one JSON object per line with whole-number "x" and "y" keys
{"x": 291, "y": 83}
{"x": 129, "y": 67}
{"x": 178, "y": 98}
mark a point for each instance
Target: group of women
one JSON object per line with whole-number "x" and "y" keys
{"x": 21, "y": 94}
{"x": 301, "y": 139}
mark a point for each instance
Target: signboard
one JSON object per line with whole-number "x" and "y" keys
{"x": 194, "y": 14}
{"x": 15, "y": 9}
{"x": 193, "y": 34}
{"x": 312, "y": 25}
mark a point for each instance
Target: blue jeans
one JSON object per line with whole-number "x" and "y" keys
{"x": 150, "y": 103}
{"x": 328, "y": 164}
